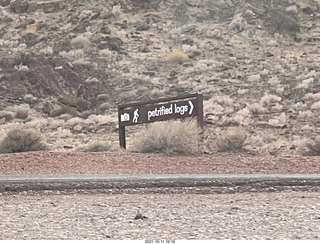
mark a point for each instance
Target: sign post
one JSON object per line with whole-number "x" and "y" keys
{"x": 159, "y": 110}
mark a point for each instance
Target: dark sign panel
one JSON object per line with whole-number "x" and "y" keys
{"x": 159, "y": 110}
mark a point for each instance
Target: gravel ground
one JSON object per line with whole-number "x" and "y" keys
{"x": 171, "y": 216}
{"x": 55, "y": 163}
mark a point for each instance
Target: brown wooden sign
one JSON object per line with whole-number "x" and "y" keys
{"x": 159, "y": 110}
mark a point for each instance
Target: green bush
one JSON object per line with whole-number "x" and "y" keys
{"x": 171, "y": 137}
{"x": 22, "y": 140}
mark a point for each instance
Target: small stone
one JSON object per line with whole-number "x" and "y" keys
{"x": 143, "y": 27}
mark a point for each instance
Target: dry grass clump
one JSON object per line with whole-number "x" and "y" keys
{"x": 170, "y": 137}
{"x": 96, "y": 147}
{"x": 22, "y": 140}
{"x": 177, "y": 57}
{"x": 231, "y": 140}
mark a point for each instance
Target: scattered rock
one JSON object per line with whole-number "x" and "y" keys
{"x": 5, "y": 3}
{"x": 254, "y": 78}
{"x": 31, "y": 39}
{"x": 194, "y": 54}
{"x": 114, "y": 43}
{"x": 144, "y": 49}
{"x": 139, "y": 216}
{"x": 143, "y": 27}
{"x": 19, "y": 6}
{"x": 195, "y": 3}
{"x": 92, "y": 80}
{"x": 102, "y": 97}
{"x": 95, "y": 14}
{"x": 268, "y": 54}
{"x": 82, "y": 27}
{"x": 187, "y": 41}
{"x": 105, "y": 29}
{"x": 149, "y": 73}
{"x": 52, "y": 6}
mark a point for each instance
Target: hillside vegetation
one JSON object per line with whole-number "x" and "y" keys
{"x": 68, "y": 64}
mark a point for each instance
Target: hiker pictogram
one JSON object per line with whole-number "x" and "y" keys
{"x": 135, "y": 116}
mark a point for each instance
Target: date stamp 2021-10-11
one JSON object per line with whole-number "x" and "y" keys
{"x": 160, "y": 242}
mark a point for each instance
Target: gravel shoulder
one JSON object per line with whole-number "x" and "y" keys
{"x": 251, "y": 215}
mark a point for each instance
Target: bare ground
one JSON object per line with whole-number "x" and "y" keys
{"x": 56, "y": 163}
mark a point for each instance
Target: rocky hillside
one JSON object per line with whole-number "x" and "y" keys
{"x": 255, "y": 61}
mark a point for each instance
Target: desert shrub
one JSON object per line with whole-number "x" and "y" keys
{"x": 30, "y": 98}
{"x": 77, "y": 54}
{"x": 23, "y": 58}
{"x": 95, "y": 147}
{"x": 177, "y": 57}
{"x": 257, "y": 108}
{"x": 104, "y": 106}
{"x": 63, "y": 110}
{"x": 311, "y": 148}
{"x": 269, "y": 98}
{"x": 231, "y": 140}
{"x": 8, "y": 115}
{"x": 72, "y": 101}
{"x": 180, "y": 13}
{"x": 238, "y": 23}
{"x": 22, "y": 140}
{"x": 87, "y": 113}
{"x": 80, "y": 42}
{"x": 20, "y": 111}
{"x": 283, "y": 23}
{"x": 169, "y": 137}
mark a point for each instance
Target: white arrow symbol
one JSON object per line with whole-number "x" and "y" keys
{"x": 191, "y": 107}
